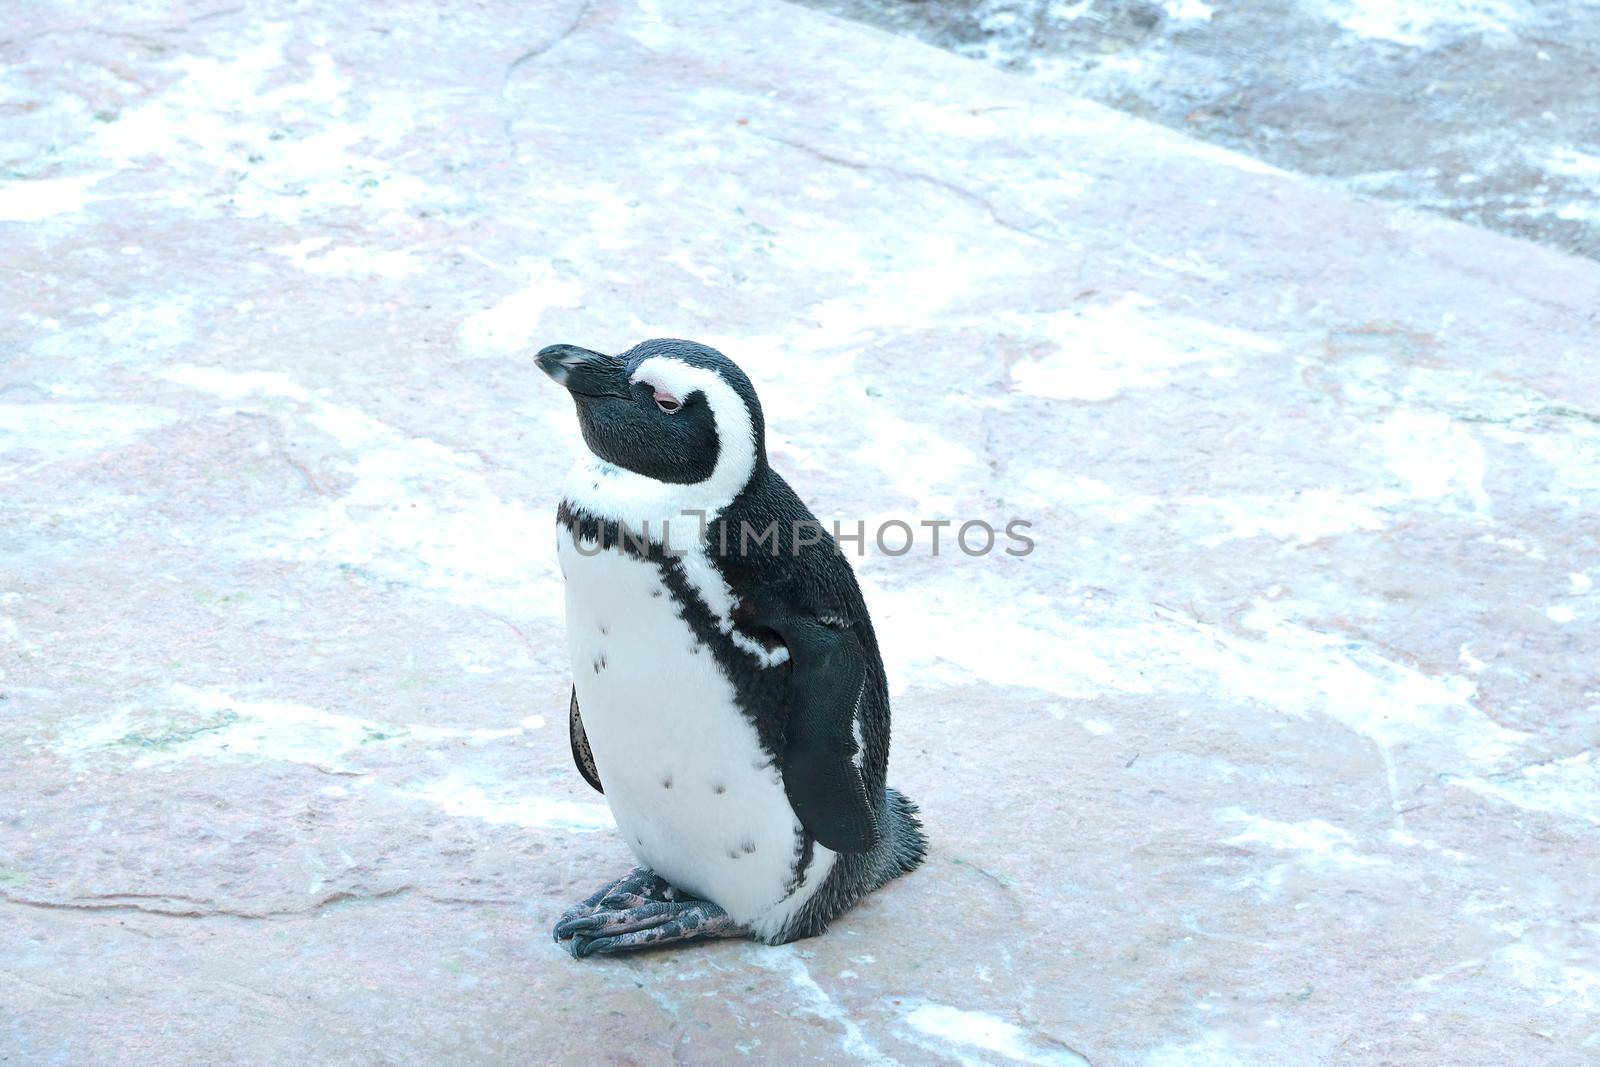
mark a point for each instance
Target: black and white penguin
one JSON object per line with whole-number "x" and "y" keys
{"x": 728, "y": 696}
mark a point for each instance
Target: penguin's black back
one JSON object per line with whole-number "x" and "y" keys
{"x": 800, "y": 570}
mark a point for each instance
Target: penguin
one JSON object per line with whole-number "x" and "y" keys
{"x": 728, "y": 696}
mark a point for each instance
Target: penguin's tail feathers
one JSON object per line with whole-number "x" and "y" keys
{"x": 908, "y": 842}
{"x": 900, "y": 848}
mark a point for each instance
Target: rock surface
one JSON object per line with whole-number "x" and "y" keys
{"x": 1472, "y": 108}
{"x": 1278, "y": 748}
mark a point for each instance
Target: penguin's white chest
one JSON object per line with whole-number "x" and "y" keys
{"x": 689, "y": 785}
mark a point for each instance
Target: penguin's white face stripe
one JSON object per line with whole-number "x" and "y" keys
{"x": 736, "y": 442}
{"x": 668, "y": 512}
{"x": 644, "y": 505}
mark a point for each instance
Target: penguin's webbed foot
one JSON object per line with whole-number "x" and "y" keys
{"x": 638, "y": 887}
{"x": 646, "y": 925}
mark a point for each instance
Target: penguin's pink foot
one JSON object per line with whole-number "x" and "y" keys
{"x": 665, "y": 922}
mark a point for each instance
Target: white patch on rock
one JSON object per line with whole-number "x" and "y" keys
{"x": 462, "y": 795}
{"x": 1570, "y": 163}
{"x": 651, "y": 27}
{"x": 1298, "y": 518}
{"x": 1407, "y": 839}
{"x": 920, "y": 461}
{"x": 32, "y": 434}
{"x": 1025, "y": 640}
{"x": 143, "y": 330}
{"x": 1574, "y": 166}
{"x": 509, "y": 327}
{"x": 927, "y": 635}
{"x": 1212, "y": 1048}
{"x": 1514, "y": 544}
{"x": 980, "y": 1030}
{"x": 212, "y": 724}
{"x": 1557, "y": 965}
{"x": 1104, "y": 350}
{"x": 1315, "y": 839}
{"x": 809, "y": 998}
{"x": 1424, "y": 23}
{"x": 36, "y": 199}
{"x": 1568, "y": 458}
{"x": 1568, "y": 787}
{"x": 1044, "y": 487}
{"x": 1217, "y": 154}
{"x": 315, "y": 257}
{"x": 1301, "y": 671}
{"x": 415, "y": 510}
{"x": 295, "y": 136}
{"x": 11, "y": 635}
{"x": 1188, "y": 10}
{"x": 232, "y": 384}
{"x": 1435, "y": 456}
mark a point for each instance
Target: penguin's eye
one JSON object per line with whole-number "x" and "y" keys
{"x": 667, "y": 402}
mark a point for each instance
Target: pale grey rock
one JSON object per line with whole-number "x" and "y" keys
{"x": 1279, "y": 748}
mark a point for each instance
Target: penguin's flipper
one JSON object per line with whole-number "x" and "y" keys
{"x": 582, "y": 755}
{"x": 821, "y": 772}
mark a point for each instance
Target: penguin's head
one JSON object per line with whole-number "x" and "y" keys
{"x": 672, "y": 411}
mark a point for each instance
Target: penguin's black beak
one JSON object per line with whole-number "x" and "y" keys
{"x": 585, "y": 373}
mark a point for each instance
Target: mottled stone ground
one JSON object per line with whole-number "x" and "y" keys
{"x": 1483, "y": 110}
{"x": 1278, "y": 749}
